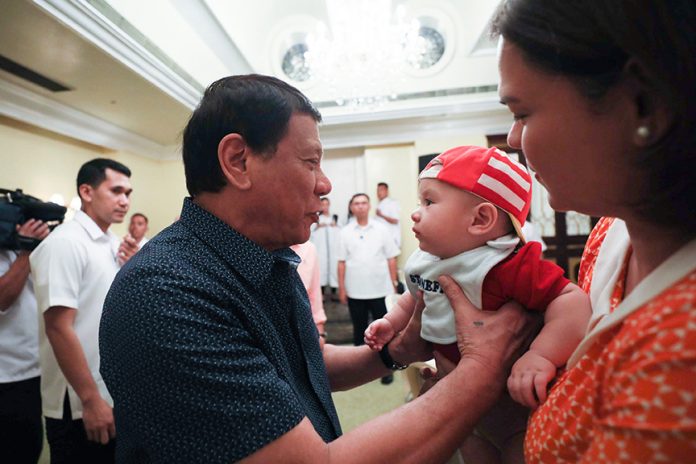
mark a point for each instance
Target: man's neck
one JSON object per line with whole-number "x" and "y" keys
{"x": 244, "y": 221}
{"x": 104, "y": 226}
{"x": 362, "y": 221}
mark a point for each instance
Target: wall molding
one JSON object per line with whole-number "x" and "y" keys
{"x": 32, "y": 108}
{"x": 485, "y": 116}
{"x": 91, "y": 24}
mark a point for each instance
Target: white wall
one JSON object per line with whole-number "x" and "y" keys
{"x": 346, "y": 169}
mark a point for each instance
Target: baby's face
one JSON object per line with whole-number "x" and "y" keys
{"x": 440, "y": 222}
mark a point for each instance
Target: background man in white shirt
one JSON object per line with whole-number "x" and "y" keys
{"x": 73, "y": 269}
{"x": 21, "y": 428}
{"x": 388, "y": 211}
{"x": 138, "y": 228}
{"x": 325, "y": 238}
{"x": 366, "y": 268}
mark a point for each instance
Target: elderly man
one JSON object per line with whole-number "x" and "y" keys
{"x": 207, "y": 340}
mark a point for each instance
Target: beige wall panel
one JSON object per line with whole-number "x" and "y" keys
{"x": 42, "y": 164}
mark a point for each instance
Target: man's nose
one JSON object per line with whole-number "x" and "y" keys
{"x": 323, "y": 186}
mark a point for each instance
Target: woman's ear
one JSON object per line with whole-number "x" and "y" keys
{"x": 233, "y": 153}
{"x": 484, "y": 219}
{"x": 652, "y": 116}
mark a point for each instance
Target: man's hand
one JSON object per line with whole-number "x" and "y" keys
{"x": 342, "y": 297}
{"x": 127, "y": 249}
{"x": 493, "y": 339}
{"x": 529, "y": 378}
{"x": 33, "y": 228}
{"x": 98, "y": 418}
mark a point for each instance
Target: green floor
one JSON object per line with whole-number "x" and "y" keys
{"x": 368, "y": 401}
{"x": 354, "y": 406}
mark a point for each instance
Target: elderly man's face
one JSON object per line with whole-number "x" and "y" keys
{"x": 290, "y": 185}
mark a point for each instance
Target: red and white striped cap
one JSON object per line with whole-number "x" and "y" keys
{"x": 488, "y": 173}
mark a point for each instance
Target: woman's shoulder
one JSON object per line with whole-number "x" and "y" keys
{"x": 591, "y": 251}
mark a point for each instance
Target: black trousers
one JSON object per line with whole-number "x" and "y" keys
{"x": 360, "y": 310}
{"x": 21, "y": 428}
{"x": 68, "y": 442}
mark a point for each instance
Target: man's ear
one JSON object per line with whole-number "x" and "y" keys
{"x": 85, "y": 193}
{"x": 233, "y": 153}
{"x": 484, "y": 219}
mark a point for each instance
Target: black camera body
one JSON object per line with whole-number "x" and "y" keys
{"x": 16, "y": 208}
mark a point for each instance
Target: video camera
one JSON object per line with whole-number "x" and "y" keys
{"x": 16, "y": 208}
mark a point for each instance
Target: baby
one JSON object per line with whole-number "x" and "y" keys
{"x": 473, "y": 202}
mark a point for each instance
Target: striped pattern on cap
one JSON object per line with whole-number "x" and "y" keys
{"x": 488, "y": 173}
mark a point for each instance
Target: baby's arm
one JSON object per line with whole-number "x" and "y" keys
{"x": 382, "y": 330}
{"x": 565, "y": 323}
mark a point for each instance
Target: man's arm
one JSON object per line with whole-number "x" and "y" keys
{"x": 342, "y": 282}
{"x": 389, "y": 219}
{"x": 392, "y": 213}
{"x": 429, "y": 428}
{"x": 97, "y": 414}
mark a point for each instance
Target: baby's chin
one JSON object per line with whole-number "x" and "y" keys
{"x": 442, "y": 254}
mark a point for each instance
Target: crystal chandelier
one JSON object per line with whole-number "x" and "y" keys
{"x": 365, "y": 52}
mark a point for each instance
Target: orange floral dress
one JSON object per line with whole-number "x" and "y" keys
{"x": 631, "y": 398}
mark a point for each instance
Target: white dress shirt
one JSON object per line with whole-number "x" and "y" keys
{"x": 73, "y": 267}
{"x": 366, "y": 251}
{"x": 390, "y": 208}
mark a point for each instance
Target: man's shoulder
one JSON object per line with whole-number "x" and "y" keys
{"x": 389, "y": 201}
{"x": 379, "y": 226}
{"x": 67, "y": 236}
{"x": 172, "y": 257}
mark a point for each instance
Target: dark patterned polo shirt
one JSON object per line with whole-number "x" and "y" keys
{"x": 209, "y": 349}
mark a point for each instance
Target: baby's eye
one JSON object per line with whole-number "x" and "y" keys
{"x": 427, "y": 202}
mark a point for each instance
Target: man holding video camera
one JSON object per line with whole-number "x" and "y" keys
{"x": 73, "y": 270}
{"x": 21, "y": 427}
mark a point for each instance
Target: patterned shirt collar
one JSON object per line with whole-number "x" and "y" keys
{"x": 255, "y": 263}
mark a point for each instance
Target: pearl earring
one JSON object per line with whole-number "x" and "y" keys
{"x": 643, "y": 132}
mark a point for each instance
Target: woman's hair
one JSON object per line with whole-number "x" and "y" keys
{"x": 590, "y": 42}
{"x": 350, "y": 202}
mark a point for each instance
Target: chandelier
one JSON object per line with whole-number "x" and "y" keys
{"x": 365, "y": 53}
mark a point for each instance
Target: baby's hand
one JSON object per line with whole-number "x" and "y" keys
{"x": 529, "y": 377}
{"x": 378, "y": 334}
